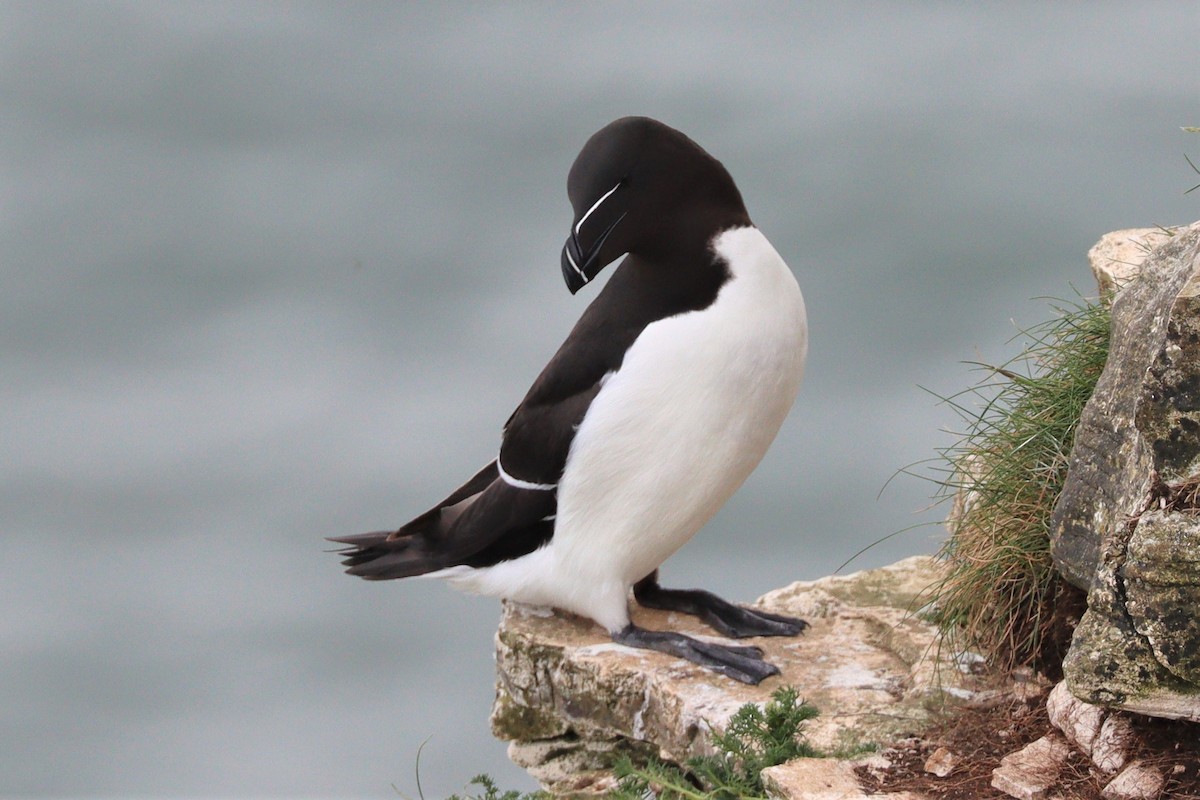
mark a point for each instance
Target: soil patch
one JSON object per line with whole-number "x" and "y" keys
{"x": 979, "y": 737}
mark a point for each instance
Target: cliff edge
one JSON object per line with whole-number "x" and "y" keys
{"x": 568, "y": 699}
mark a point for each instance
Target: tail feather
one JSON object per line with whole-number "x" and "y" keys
{"x": 377, "y": 556}
{"x": 361, "y": 539}
{"x": 420, "y": 546}
{"x": 363, "y": 548}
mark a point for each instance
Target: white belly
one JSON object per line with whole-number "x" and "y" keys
{"x": 671, "y": 436}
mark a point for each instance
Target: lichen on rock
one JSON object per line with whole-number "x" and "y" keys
{"x": 1114, "y": 533}
{"x": 1113, "y": 459}
{"x": 1162, "y": 589}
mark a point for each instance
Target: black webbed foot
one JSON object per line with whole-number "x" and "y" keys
{"x": 743, "y": 664}
{"x": 726, "y": 618}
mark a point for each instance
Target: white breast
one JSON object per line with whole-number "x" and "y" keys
{"x": 674, "y": 432}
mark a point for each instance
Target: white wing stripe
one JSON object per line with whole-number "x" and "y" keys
{"x": 517, "y": 483}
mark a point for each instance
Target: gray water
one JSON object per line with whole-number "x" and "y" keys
{"x": 272, "y": 272}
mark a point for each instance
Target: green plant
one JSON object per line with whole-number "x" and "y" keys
{"x": 754, "y": 739}
{"x": 491, "y": 792}
{"x": 1001, "y": 593}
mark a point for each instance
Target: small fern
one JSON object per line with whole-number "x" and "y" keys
{"x": 754, "y": 739}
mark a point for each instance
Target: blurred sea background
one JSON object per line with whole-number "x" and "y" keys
{"x": 277, "y": 271}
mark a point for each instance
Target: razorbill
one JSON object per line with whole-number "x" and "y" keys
{"x": 656, "y": 408}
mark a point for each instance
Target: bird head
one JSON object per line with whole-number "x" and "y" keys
{"x": 639, "y": 186}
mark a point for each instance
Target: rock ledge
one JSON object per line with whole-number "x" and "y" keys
{"x": 568, "y": 699}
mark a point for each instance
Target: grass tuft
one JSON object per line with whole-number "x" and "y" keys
{"x": 1001, "y": 594}
{"x": 1195, "y": 169}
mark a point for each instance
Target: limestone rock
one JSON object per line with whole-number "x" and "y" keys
{"x": 1162, "y": 588}
{"x": 568, "y": 697}
{"x": 1113, "y": 457}
{"x": 1139, "y": 432}
{"x": 1136, "y": 782}
{"x": 1079, "y": 721}
{"x": 1032, "y": 771}
{"x": 573, "y": 768}
{"x": 941, "y": 762}
{"x": 1102, "y": 735}
{"x": 821, "y": 779}
{"x": 1110, "y": 751}
{"x": 1116, "y": 259}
